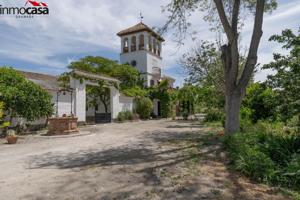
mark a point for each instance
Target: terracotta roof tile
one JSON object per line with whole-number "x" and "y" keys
{"x": 47, "y": 82}
{"x": 138, "y": 28}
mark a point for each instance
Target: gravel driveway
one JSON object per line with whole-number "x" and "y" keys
{"x": 156, "y": 159}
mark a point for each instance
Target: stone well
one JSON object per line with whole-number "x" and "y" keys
{"x": 62, "y": 125}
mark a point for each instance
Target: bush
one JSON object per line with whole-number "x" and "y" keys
{"x": 128, "y": 115}
{"x": 125, "y": 115}
{"x": 265, "y": 152}
{"x": 144, "y": 107}
{"x": 23, "y": 98}
{"x": 254, "y": 163}
{"x": 121, "y": 116}
{"x": 214, "y": 115}
{"x": 185, "y": 114}
{"x": 3, "y": 124}
{"x": 261, "y": 102}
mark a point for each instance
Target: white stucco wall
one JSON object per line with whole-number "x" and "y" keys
{"x": 79, "y": 99}
{"x": 64, "y": 103}
{"x": 114, "y": 102}
{"x": 145, "y": 60}
{"x": 139, "y": 56}
{"x": 125, "y": 103}
{"x": 153, "y": 61}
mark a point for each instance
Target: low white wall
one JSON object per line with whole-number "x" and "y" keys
{"x": 125, "y": 103}
{"x": 64, "y": 103}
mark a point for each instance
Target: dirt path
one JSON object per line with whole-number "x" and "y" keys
{"x": 140, "y": 160}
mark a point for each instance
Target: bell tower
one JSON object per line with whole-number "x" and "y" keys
{"x": 141, "y": 47}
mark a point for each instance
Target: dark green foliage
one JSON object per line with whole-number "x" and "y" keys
{"x": 286, "y": 79}
{"x": 209, "y": 97}
{"x": 267, "y": 153}
{"x": 188, "y": 96}
{"x": 204, "y": 66}
{"x": 167, "y": 97}
{"x": 99, "y": 92}
{"x": 260, "y": 102}
{"x": 134, "y": 92}
{"x": 214, "y": 115}
{"x": 185, "y": 114}
{"x": 3, "y": 124}
{"x": 128, "y": 75}
{"x": 144, "y": 107}
{"x": 125, "y": 115}
{"x": 23, "y": 98}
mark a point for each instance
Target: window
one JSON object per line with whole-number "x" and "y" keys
{"x": 125, "y": 45}
{"x": 141, "y": 42}
{"x": 133, "y": 63}
{"x": 96, "y": 107}
{"x": 154, "y": 45}
{"x": 150, "y": 43}
{"x": 133, "y": 43}
{"x": 158, "y": 48}
{"x": 151, "y": 82}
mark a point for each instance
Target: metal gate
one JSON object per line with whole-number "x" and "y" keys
{"x": 102, "y": 118}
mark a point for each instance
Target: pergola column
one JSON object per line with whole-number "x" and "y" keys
{"x": 79, "y": 99}
{"x": 114, "y": 102}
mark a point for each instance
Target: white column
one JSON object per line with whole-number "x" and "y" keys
{"x": 114, "y": 102}
{"x": 129, "y": 43}
{"x": 159, "y": 46}
{"x": 137, "y": 42}
{"x": 146, "y": 41}
{"x": 79, "y": 99}
{"x": 122, "y": 44}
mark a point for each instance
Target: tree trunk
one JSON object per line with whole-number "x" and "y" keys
{"x": 230, "y": 58}
{"x": 105, "y": 107}
{"x": 232, "y": 109}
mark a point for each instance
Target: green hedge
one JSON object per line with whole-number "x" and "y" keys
{"x": 125, "y": 115}
{"x": 213, "y": 115}
{"x": 144, "y": 107}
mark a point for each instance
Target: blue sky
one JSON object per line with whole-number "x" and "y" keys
{"x": 75, "y": 29}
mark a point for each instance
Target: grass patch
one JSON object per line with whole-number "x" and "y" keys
{"x": 267, "y": 153}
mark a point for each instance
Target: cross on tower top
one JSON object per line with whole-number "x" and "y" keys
{"x": 141, "y": 17}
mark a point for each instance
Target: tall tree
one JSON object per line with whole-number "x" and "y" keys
{"x": 203, "y": 66}
{"x": 229, "y": 13}
{"x": 286, "y": 79}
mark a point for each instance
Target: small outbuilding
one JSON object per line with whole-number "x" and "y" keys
{"x": 74, "y": 100}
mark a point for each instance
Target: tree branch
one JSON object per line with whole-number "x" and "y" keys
{"x": 224, "y": 20}
{"x": 235, "y": 15}
{"x": 252, "y": 54}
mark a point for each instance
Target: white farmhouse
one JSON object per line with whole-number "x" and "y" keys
{"x": 141, "y": 47}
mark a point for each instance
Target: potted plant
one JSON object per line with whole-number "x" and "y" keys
{"x": 11, "y": 136}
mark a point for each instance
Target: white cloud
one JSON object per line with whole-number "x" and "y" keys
{"x": 80, "y": 27}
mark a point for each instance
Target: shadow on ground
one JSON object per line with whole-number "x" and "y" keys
{"x": 175, "y": 164}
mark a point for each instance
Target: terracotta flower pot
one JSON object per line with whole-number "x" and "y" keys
{"x": 12, "y": 139}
